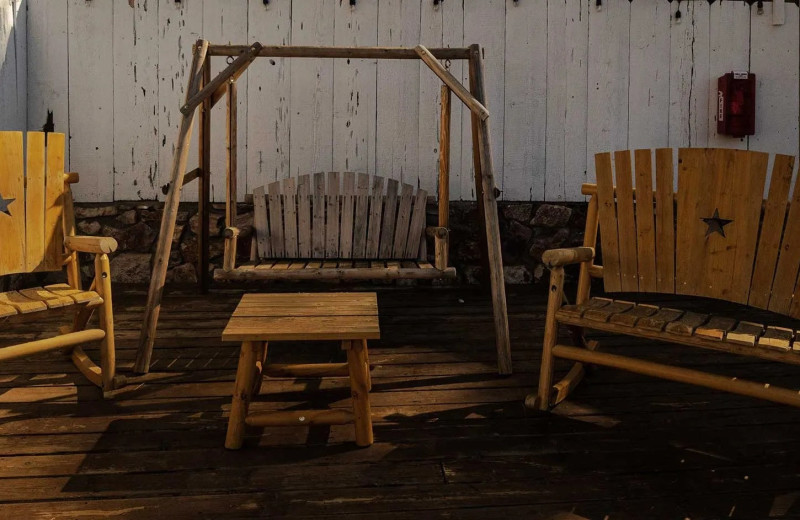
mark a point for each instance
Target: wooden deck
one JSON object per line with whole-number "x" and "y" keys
{"x": 452, "y": 438}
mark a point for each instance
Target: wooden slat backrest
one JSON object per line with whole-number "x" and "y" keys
{"x": 339, "y": 216}
{"x": 715, "y": 237}
{"x": 32, "y": 229}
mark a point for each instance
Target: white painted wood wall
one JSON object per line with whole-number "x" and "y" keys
{"x": 565, "y": 80}
{"x": 13, "y": 65}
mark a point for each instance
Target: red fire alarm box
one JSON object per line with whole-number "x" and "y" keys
{"x": 736, "y": 104}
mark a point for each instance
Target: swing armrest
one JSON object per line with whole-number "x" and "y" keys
{"x": 573, "y": 255}
{"x": 96, "y": 245}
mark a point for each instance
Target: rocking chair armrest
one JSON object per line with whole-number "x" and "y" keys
{"x": 572, "y": 255}
{"x": 437, "y": 231}
{"x": 96, "y": 245}
{"x": 231, "y": 232}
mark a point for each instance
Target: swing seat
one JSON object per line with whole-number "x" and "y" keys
{"x": 310, "y": 229}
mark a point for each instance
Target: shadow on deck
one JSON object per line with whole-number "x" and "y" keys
{"x": 453, "y": 439}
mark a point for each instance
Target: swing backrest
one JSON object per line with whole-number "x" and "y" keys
{"x": 715, "y": 236}
{"x": 351, "y": 216}
{"x": 31, "y": 202}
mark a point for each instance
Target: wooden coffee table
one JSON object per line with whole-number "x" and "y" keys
{"x": 351, "y": 318}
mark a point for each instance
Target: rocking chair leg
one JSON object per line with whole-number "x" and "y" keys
{"x": 556, "y": 290}
{"x": 575, "y": 375}
{"x": 108, "y": 362}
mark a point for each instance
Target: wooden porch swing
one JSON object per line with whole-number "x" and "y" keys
{"x": 346, "y": 226}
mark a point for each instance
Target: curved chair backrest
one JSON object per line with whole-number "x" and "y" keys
{"x": 31, "y": 202}
{"x": 351, "y": 216}
{"x": 715, "y": 237}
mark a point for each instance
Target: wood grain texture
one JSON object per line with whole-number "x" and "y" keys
{"x": 626, "y": 221}
{"x": 771, "y": 231}
{"x": 35, "y": 208}
{"x": 311, "y": 92}
{"x": 645, "y": 224}
{"x": 12, "y": 227}
{"x": 608, "y": 223}
{"x": 268, "y": 83}
{"x": 136, "y": 85}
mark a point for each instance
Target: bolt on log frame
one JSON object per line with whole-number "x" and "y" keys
{"x": 203, "y": 93}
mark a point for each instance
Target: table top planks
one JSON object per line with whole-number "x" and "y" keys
{"x": 304, "y": 316}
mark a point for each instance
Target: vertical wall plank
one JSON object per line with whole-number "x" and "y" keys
{"x": 431, "y": 35}
{"x": 91, "y": 98}
{"x": 13, "y": 65}
{"x": 689, "y": 80}
{"x": 453, "y": 36}
{"x": 775, "y": 60}
{"x": 48, "y": 75}
{"x": 136, "y": 101}
{"x": 398, "y": 94}
{"x": 575, "y": 165}
{"x": 648, "y": 95}
{"x": 609, "y": 49}
{"x": 225, "y": 22}
{"x": 180, "y": 25}
{"x": 312, "y": 90}
{"x": 726, "y": 53}
{"x": 484, "y": 24}
{"x": 525, "y": 100}
{"x": 354, "y": 83}
{"x": 268, "y": 81}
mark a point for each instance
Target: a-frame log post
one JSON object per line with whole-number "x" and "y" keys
{"x": 442, "y": 238}
{"x": 204, "y": 185}
{"x": 194, "y": 98}
{"x": 487, "y": 204}
{"x": 231, "y": 139}
{"x": 170, "y": 213}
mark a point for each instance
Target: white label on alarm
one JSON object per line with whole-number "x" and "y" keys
{"x": 740, "y": 75}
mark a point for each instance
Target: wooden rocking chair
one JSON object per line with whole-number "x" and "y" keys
{"x": 712, "y": 238}
{"x": 38, "y": 235}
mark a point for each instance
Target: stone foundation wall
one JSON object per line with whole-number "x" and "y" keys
{"x": 527, "y": 230}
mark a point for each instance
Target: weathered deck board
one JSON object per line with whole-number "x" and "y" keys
{"x": 452, "y": 437}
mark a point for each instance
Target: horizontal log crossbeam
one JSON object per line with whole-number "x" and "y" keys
{"x": 389, "y": 53}
{"x": 681, "y": 375}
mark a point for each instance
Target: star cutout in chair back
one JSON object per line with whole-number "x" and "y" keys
{"x": 716, "y": 224}
{"x": 4, "y": 204}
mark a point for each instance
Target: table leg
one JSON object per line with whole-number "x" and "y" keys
{"x": 261, "y": 361}
{"x": 242, "y": 390}
{"x": 367, "y": 366}
{"x": 359, "y": 391}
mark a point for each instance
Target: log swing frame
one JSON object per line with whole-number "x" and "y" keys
{"x": 203, "y": 93}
